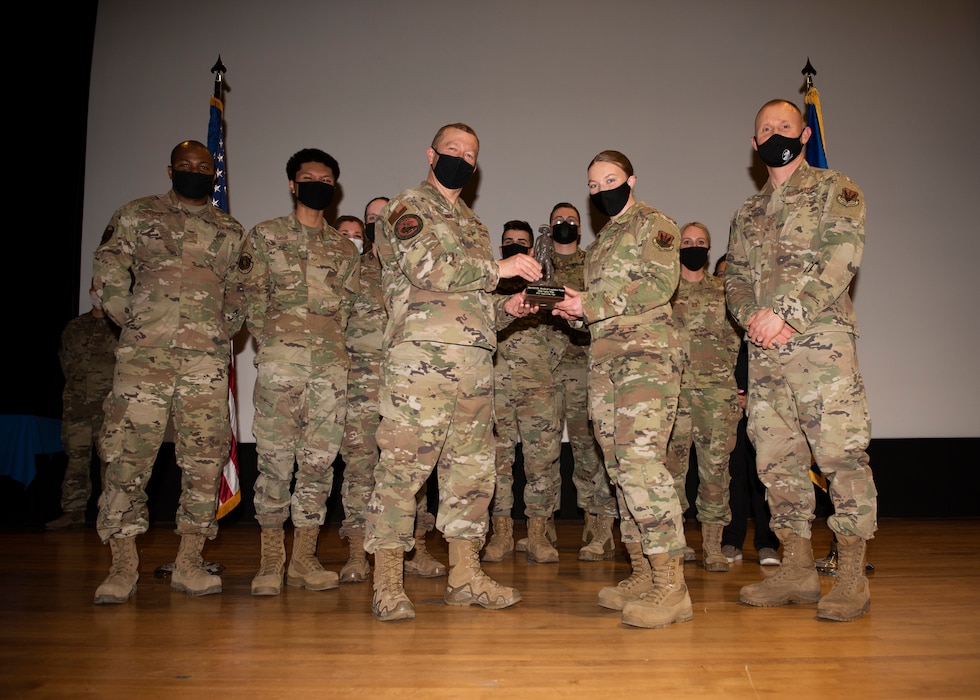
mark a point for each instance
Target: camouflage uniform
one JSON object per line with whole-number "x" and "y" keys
{"x": 300, "y": 285}
{"x": 796, "y": 249}
{"x": 592, "y": 488}
{"x": 164, "y": 272}
{"x": 365, "y": 334}
{"x": 631, "y": 272}
{"x": 707, "y": 409}
{"x": 88, "y": 345}
{"x": 529, "y": 362}
{"x": 436, "y": 397}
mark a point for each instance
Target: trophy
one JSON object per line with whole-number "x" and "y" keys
{"x": 544, "y": 292}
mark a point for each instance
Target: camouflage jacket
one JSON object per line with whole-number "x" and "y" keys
{"x": 796, "y": 249}
{"x": 709, "y": 341}
{"x": 366, "y": 327}
{"x": 438, "y": 272}
{"x": 300, "y": 284}
{"x": 631, "y": 272}
{"x": 570, "y": 272}
{"x": 87, "y": 355}
{"x": 165, "y": 275}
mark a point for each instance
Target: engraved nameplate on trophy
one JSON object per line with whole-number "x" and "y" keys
{"x": 545, "y": 292}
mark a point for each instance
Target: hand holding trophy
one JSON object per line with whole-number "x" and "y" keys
{"x": 544, "y": 292}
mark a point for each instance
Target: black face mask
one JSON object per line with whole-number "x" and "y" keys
{"x": 565, "y": 232}
{"x": 452, "y": 172}
{"x": 315, "y": 195}
{"x": 694, "y": 258}
{"x": 192, "y": 185}
{"x": 513, "y": 249}
{"x": 779, "y": 150}
{"x": 369, "y": 232}
{"x": 611, "y": 202}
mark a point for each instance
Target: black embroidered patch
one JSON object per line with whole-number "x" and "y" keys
{"x": 408, "y": 226}
{"x": 107, "y": 234}
{"x": 245, "y": 263}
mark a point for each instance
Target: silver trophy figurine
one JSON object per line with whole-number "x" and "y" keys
{"x": 544, "y": 292}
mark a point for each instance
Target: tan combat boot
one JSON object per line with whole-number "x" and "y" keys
{"x": 70, "y": 518}
{"x": 421, "y": 563}
{"x": 639, "y": 582}
{"x": 795, "y": 582}
{"x": 550, "y": 531}
{"x": 189, "y": 574}
{"x": 539, "y": 549}
{"x": 389, "y": 601}
{"x": 850, "y": 597}
{"x": 268, "y": 581}
{"x": 668, "y": 601}
{"x": 501, "y": 542}
{"x": 602, "y": 545}
{"x": 304, "y": 568}
{"x": 357, "y": 567}
{"x": 468, "y": 585}
{"x": 120, "y": 584}
{"x": 588, "y": 531}
{"x": 714, "y": 560}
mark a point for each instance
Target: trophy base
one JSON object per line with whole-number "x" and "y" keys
{"x": 544, "y": 296}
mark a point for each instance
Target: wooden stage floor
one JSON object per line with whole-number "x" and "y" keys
{"x": 920, "y": 640}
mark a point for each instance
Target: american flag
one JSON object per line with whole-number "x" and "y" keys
{"x": 229, "y": 495}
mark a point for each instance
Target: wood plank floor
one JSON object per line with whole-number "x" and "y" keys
{"x": 920, "y": 640}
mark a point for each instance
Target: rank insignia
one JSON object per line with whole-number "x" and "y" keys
{"x": 848, "y": 198}
{"x": 408, "y": 226}
{"x": 664, "y": 240}
{"x": 245, "y": 263}
{"x": 107, "y": 235}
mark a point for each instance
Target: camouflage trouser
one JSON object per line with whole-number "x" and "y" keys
{"x": 79, "y": 429}
{"x": 437, "y": 412}
{"x": 594, "y": 493}
{"x": 360, "y": 448}
{"x": 505, "y": 431}
{"x": 149, "y": 386}
{"x": 530, "y": 385}
{"x": 708, "y": 417}
{"x": 299, "y": 418}
{"x": 634, "y": 401}
{"x": 808, "y": 396}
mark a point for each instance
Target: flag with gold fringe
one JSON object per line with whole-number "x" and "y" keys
{"x": 816, "y": 154}
{"x": 229, "y": 493}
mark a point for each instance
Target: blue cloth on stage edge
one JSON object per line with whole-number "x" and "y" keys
{"x": 22, "y": 438}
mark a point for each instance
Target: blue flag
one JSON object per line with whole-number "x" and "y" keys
{"x": 216, "y": 144}
{"x": 816, "y": 156}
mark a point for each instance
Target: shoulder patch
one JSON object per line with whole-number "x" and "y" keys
{"x": 393, "y": 217}
{"x": 245, "y": 263}
{"x": 107, "y": 234}
{"x": 848, "y": 198}
{"x": 408, "y": 226}
{"x": 664, "y": 239}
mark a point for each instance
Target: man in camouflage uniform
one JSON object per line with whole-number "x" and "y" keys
{"x": 436, "y": 399}
{"x": 300, "y": 277}
{"x": 525, "y": 386}
{"x": 792, "y": 254}
{"x": 707, "y": 408}
{"x": 365, "y": 335}
{"x": 87, "y": 355}
{"x": 594, "y": 494}
{"x": 165, "y": 274}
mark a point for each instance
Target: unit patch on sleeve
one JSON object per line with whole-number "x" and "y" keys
{"x": 245, "y": 263}
{"x": 107, "y": 235}
{"x": 408, "y": 226}
{"x": 664, "y": 239}
{"x": 848, "y": 198}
